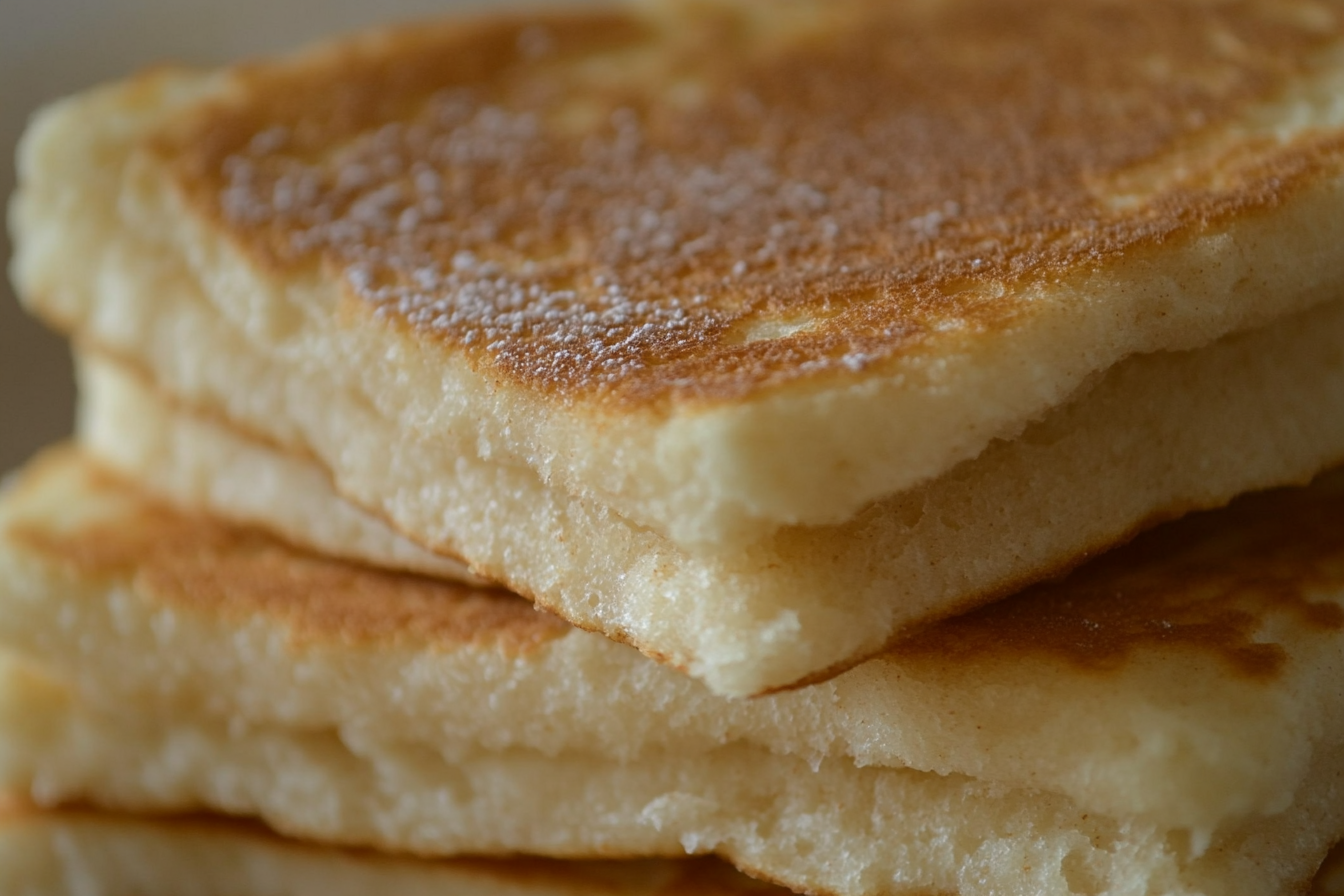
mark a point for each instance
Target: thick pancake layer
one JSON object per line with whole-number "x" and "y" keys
{"x": 51, "y": 854}
{"x": 712, "y": 275}
{"x": 808, "y": 598}
{"x": 201, "y": 464}
{"x": 829, "y": 830}
{"x": 241, "y": 575}
{"x": 1200, "y": 708}
{"x": 60, "y": 854}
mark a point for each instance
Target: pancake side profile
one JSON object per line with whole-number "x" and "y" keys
{"x": 1183, "y": 739}
{"x": 52, "y": 854}
{"x": 707, "y": 282}
{"x": 205, "y": 466}
{"x": 1133, "y": 450}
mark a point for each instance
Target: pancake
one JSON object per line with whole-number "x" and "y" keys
{"x": 1165, "y": 720}
{"x": 710, "y": 287}
{"x": 1085, "y": 471}
{"x": 49, "y": 854}
{"x": 198, "y": 463}
{"x": 60, "y": 854}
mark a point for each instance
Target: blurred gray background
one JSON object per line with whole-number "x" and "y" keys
{"x": 49, "y": 48}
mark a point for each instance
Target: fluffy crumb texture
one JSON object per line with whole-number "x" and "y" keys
{"x": 69, "y": 853}
{"x": 1164, "y": 721}
{"x": 65, "y": 853}
{"x": 833, "y": 829}
{"x": 200, "y": 464}
{"x": 714, "y": 279}
{"x": 807, "y": 599}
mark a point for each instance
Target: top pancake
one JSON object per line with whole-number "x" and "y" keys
{"x": 647, "y": 248}
{"x": 598, "y": 208}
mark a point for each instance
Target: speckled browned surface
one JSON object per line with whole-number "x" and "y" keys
{"x": 188, "y": 560}
{"x": 43, "y": 58}
{"x": 591, "y": 206}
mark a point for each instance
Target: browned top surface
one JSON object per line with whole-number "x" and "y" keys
{"x": 1240, "y": 584}
{"x": 237, "y": 573}
{"x": 619, "y": 210}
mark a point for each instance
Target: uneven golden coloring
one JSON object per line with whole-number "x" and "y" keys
{"x": 595, "y": 208}
{"x": 191, "y": 560}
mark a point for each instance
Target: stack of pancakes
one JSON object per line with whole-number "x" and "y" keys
{"x": 786, "y": 362}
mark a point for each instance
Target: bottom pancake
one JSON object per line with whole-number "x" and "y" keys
{"x": 92, "y": 854}
{"x": 61, "y": 853}
{"x": 835, "y": 829}
{"x": 1165, "y": 721}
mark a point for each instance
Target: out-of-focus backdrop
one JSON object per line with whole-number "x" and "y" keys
{"x": 49, "y": 48}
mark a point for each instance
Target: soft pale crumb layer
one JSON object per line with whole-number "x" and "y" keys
{"x": 205, "y": 465}
{"x": 676, "y": 526}
{"x": 1198, "y": 701}
{"x": 832, "y": 829}
{"x": 66, "y": 853}
{"x": 807, "y": 599}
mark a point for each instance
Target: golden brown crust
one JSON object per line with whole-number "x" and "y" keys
{"x": 1218, "y": 582}
{"x": 594, "y": 206}
{"x": 14, "y": 809}
{"x": 1004, "y": 591}
{"x": 236, "y": 573}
